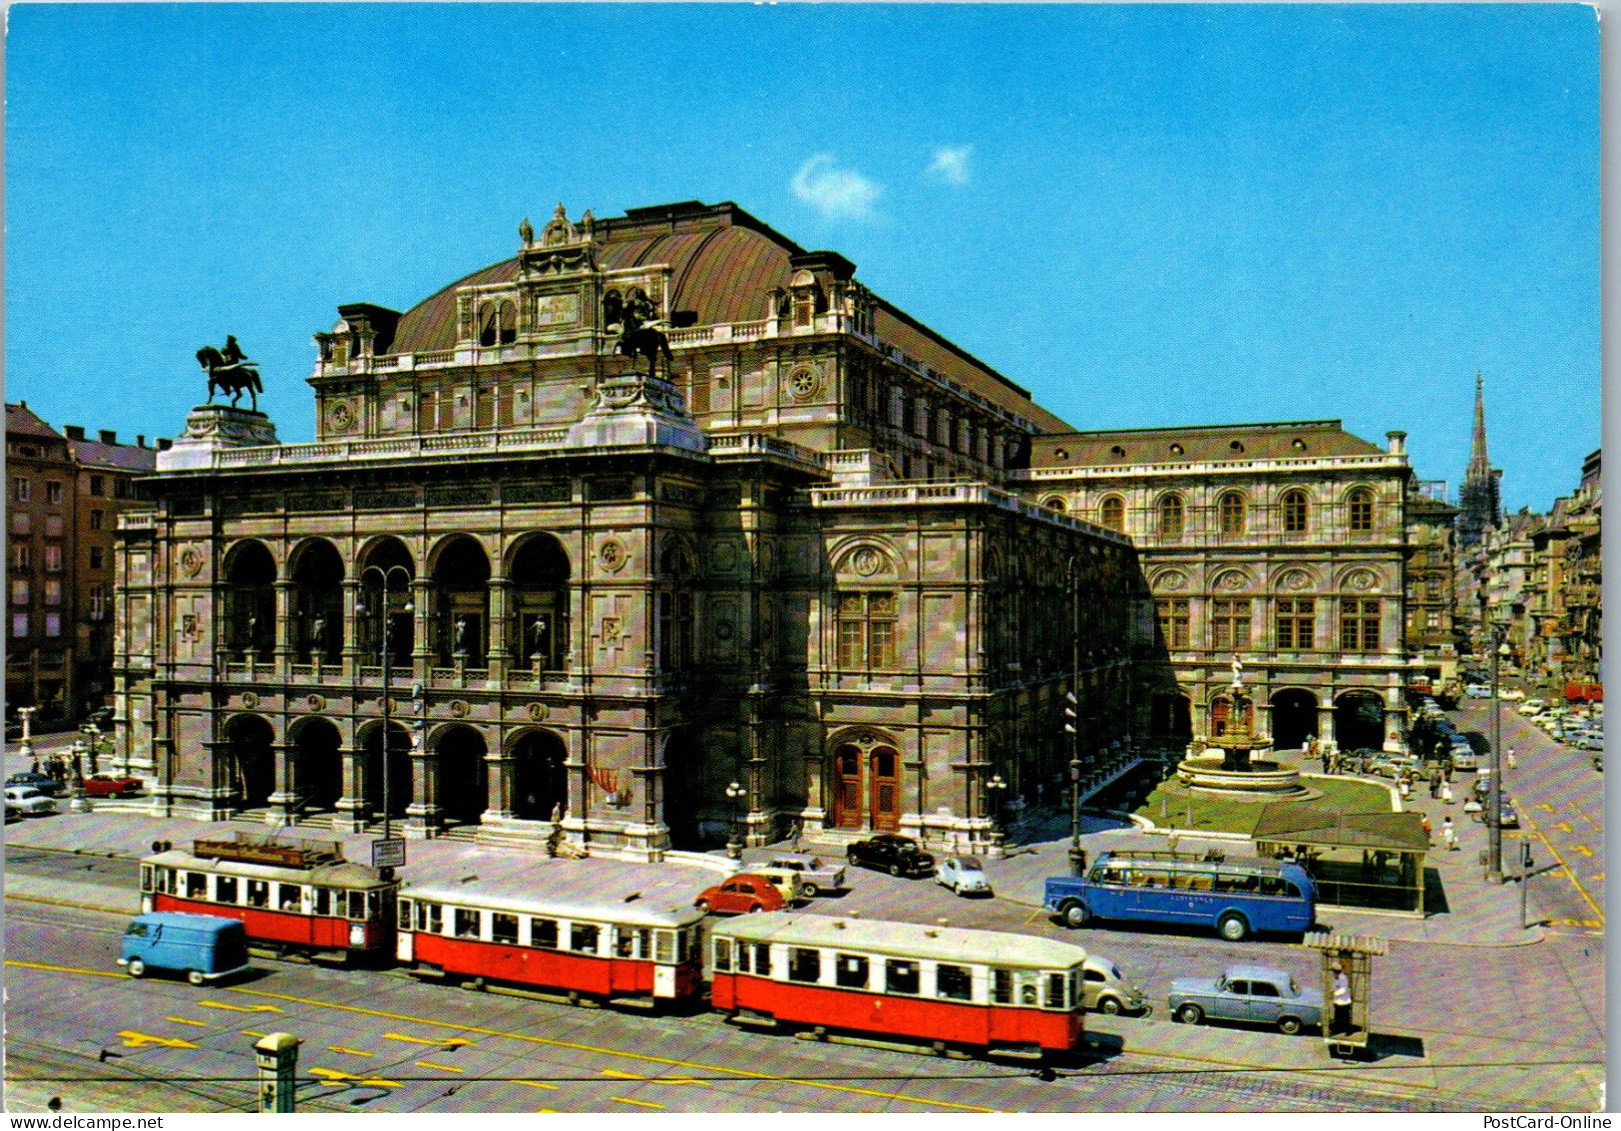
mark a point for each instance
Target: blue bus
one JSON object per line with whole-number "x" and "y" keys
{"x": 1237, "y": 897}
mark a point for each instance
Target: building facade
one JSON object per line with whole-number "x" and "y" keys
{"x": 545, "y": 567}
{"x": 1432, "y": 564}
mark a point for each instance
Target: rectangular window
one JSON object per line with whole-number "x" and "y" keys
{"x": 53, "y": 493}
{"x": 53, "y": 591}
{"x": 430, "y": 918}
{"x": 465, "y": 923}
{"x": 1175, "y": 621}
{"x": 1230, "y": 626}
{"x": 954, "y": 982}
{"x": 196, "y": 885}
{"x": 1057, "y": 991}
{"x": 322, "y": 904}
{"x": 19, "y": 624}
{"x": 664, "y": 944}
{"x": 258, "y": 893}
{"x": 631, "y": 942}
{"x": 582, "y": 937}
{"x": 866, "y": 631}
{"x": 289, "y": 897}
{"x": 98, "y": 558}
{"x": 53, "y": 624}
{"x": 20, "y": 523}
{"x": 19, "y": 591}
{"x": 804, "y": 964}
{"x": 95, "y": 520}
{"x": 53, "y": 526}
{"x": 22, "y": 556}
{"x": 98, "y": 602}
{"x": 21, "y": 489}
{"x": 762, "y": 959}
{"x": 850, "y": 971}
{"x": 503, "y": 927}
{"x": 1296, "y": 619}
{"x": 1002, "y": 987}
{"x": 97, "y": 485}
{"x": 543, "y": 933}
{"x": 1359, "y": 624}
{"x": 723, "y": 953}
{"x": 225, "y": 889}
{"x": 53, "y": 557}
{"x": 901, "y": 976}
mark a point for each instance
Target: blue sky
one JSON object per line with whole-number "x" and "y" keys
{"x": 1146, "y": 215}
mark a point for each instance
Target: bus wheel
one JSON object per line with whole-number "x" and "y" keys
{"x": 1232, "y": 927}
{"x": 1190, "y": 1014}
{"x": 1074, "y": 914}
{"x": 195, "y": 977}
{"x": 136, "y": 968}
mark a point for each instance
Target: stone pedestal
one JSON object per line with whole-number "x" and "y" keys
{"x": 212, "y": 428}
{"x": 635, "y": 410}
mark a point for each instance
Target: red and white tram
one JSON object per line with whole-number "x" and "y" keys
{"x": 291, "y": 896}
{"x": 989, "y": 991}
{"x": 620, "y": 951}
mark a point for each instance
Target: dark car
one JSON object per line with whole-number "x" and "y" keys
{"x": 897, "y": 855}
{"x": 49, "y": 786}
{"x": 107, "y": 785}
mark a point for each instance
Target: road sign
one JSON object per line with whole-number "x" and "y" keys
{"x": 388, "y": 853}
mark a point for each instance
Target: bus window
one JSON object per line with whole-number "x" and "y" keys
{"x": 503, "y": 927}
{"x": 1056, "y": 985}
{"x": 322, "y": 904}
{"x": 954, "y": 982}
{"x": 582, "y": 937}
{"x": 850, "y": 971}
{"x": 804, "y": 964}
{"x": 901, "y": 976}
{"x": 288, "y": 897}
{"x": 196, "y": 885}
{"x": 225, "y": 889}
{"x": 723, "y": 952}
{"x": 258, "y": 893}
{"x": 544, "y": 933}
{"x": 465, "y": 923}
{"x": 664, "y": 944}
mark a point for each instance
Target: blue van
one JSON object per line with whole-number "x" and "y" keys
{"x": 205, "y": 947}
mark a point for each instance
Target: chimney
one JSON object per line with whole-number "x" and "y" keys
{"x": 164, "y": 445}
{"x": 73, "y": 431}
{"x": 108, "y": 436}
{"x": 1398, "y": 443}
{"x": 140, "y": 440}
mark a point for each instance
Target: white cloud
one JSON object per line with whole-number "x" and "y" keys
{"x": 835, "y": 193}
{"x": 951, "y": 164}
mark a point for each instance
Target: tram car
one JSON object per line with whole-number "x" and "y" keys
{"x": 989, "y": 992}
{"x": 291, "y": 896}
{"x": 594, "y": 947}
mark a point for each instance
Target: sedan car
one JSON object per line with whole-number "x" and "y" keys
{"x": 897, "y": 855}
{"x": 815, "y": 874}
{"x": 49, "y": 786}
{"x": 963, "y": 875}
{"x": 1511, "y": 694}
{"x": 28, "y": 801}
{"x": 106, "y": 785}
{"x": 742, "y": 893}
{"x": 1259, "y": 994}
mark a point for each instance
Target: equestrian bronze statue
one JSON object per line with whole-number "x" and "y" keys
{"x": 230, "y": 371}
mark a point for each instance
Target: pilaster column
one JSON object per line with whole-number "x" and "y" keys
{"x": 285, "y": 796}
{"x": 499, "y": 656}
{"x": 498, "y": 777}
{"x": 284, "y": 627}
{"x": 1325, "y": 726}
{"x": 421, "y": 656}
{"x": 352, "y": 658}
{"x": 352, "y": 808}
{"x": 422, "y": 815}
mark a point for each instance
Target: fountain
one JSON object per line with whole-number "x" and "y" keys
{"x": 1234, "y": 772}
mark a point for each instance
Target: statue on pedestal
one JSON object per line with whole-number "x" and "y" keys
{"x": 230, "y": 371}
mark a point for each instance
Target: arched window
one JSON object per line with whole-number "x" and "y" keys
{"x": 497, "y": 323}
{"x": 1055, "y": 503}
{"x": 1170, "y": 516}
{"x": 1360, "y": 504}
{"x": 1294, "y": 512}
{"x": 1112, "y": 513}
{"x": 1231, "y": 511}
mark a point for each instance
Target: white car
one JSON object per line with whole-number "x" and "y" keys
{"x": 1511, "y": 694}
{"x": 963, "y": 875}
{"x": 1533, "y": 707}
{"x": 28, "y": 801}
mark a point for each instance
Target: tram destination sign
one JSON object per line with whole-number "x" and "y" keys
{"x": 388, "y": 853}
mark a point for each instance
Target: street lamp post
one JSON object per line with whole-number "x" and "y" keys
{"x": 1072, "y": 725}
{"x": 994, "y": 788}
{"x": 735, "y": 794}
{"x": 26, "y": 747}
{"x": 1494, "y": 790}
{"x": 386, "y": 576}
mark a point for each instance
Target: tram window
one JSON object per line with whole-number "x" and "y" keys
{"x": 466, "y": 923}
{"x": 543, "y": 933}
{"x": 225, "y": 889}
{"x": 743, "y": 958}
{"x": 322, "y": 904}
{"x": 850, "y": 971}
{"x": 196, "y": 885}
{"x": 631, "y": 942}
{"x": 406, "y": 914}
{"x": 146, "y": 877}
{"x": 357, "y": 904}
{"x": 503, "y": 927}
{"x": 1056, "y": 996}
{"x": 900, "y": 976}
{"x": 289, "y": 897}
{"x": 687, "y": 944}
{"x": 374, "y": 905}
{"x": 164, "y": 877}
{"x": 582, "y": 937}
{"x": 664, "y": 941}
{"x": 258, "y": 893}
{"x": 723, "y": 953}
{"x": 804, "y": 964}
{"x": 1029, "y": 988}
{"x": 1002, "y": 987}
{"x": 1075, "y": 985}
{"x": 430, "y": 918}
{"x": 762, "y": 959}
{"x": 955, "y": 982}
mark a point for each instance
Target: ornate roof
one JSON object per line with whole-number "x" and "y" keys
{"x": 1205, "y": 443}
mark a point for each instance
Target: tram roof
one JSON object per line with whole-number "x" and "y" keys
{"x": 599, "y": 906}
{"x": 343, "y": 874}
{"x": 904, "y": 940}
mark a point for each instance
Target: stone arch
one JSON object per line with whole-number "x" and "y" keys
{"x": 395, "y": 796}
{"x": 865, "y": 556}
{"x": 1358, "y": 579}
{"x": 1171, "y": 717}
{"x": 539, "y": 774}
{"x": 1359, "y": 719}
{"x": 1295, "y": 579}
{"x": 317, "y": 572}
{"x": 1057, "y": 503}
{"x": 865, "y": 779}
{"x": 249, "y": 600}
{"x": 463, "y": 791}
{"x": 1294, "y": 718}
{"x": 1232, "y": 581}
{"x": 249, "y": 759}
{"x": 379, "y": 558}
{"x": 460, "y": 607}
{"x": 316, "y": 764}
{"x": 538, "y": 572}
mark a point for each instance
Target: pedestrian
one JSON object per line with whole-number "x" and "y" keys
{"x": 1446, "y": 794}
{"x": 1342, "y": 1000}
{"x": 1435, "y": 783}
{"x": 1406, "y": 790}
{"x": 1429, "y": 833}
{"x": 1449, "y": 835}
{"x": 1511, "y": 757}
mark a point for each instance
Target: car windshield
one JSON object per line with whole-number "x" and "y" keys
{"x": 969, "y": 865}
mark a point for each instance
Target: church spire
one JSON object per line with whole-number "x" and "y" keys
{"x": 1479, "y": 465}
{"x": 1479, "y": 497}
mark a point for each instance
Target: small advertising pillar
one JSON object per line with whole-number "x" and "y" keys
{"x": 277, "y": 1056}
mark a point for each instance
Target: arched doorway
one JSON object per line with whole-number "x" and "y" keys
{"x": 1171, "y": 719}
{"x": 461, "y": 588}
{"x": 400, "y": 774}
{"x": 539, "y": 578}
{"x": 318, "y": 603}
{"x": 683, "y": 786}
{"x": 464, "y": 791}
{"x": 387, "y": 560}
{"x": 539, "y": 776}
{"x": 1359, "y": 721}
{"x": 866, "y": 787}
{"x": 317, "y": 765}
{"x": 250, "y": 762}
{"x": 1294, "y": 719}
{"x": 250, "y": 602}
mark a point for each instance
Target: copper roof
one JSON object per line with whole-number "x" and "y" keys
{"x": 723, "y": 264}
{"x": 1204, "y": 443}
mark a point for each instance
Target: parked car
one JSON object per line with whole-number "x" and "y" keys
{"x": 963, "y": 875}
{"x": 1463, "y": 755}
{"x": 745, "y": 892}
{"x": 1104, "y": 990}
{"x": 1477, "y": 691}
{"x": 1260, "y": 994}
{"x": 785, "y": 880}
{"x": 28, "y": 801}
{"x": 106, "y": 785}
{"x": 897, "y": 855}
{"x": 815, "y": 874}
{"x": 47, "y": 785}
{"x": 1533, "y": 707}
{"x": 1511, "y": 694}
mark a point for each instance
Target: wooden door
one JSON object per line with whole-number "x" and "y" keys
{"x": 886, "y": 789}
{"x": 847, "y": 788}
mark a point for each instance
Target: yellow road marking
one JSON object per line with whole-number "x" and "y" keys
{"x": 545, "y": 1111}
{"x": 1584, "y": 850}
{"x": 439, "y": 1067}
{"x": 458, "y": 1042}
{"x": 648, "y": 1058}
{"x": 656, "y": 1079}
{"x": 351, "y": 1052}
{"x": 1552, "y": 851}
{"x": 638, "y": 1103}
{"x": 1545, "y": 805}
{"x": 253, "y": 1033}
{"x": 333, "y": 1076}
{"x": 1597, "y": 877}
{"x": 241, "y": 1008}
{"x": 187, "y": 1021}
{"x": 537, "y": 1084}
{"x": 1563, "y": 826}
{"x": 63, "y": 969}
{"x": 1583, "y": 814}
{"x": 134, "y": 1040}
